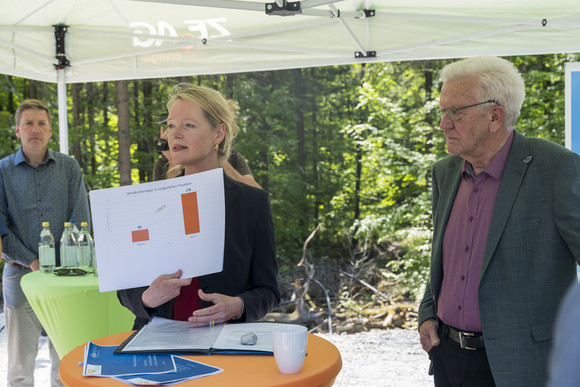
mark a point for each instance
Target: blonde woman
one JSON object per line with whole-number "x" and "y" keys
{"x": 201, "y": 128}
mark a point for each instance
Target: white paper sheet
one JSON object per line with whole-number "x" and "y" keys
{"x": 145, "y": 230}
{"x": 164, "y": 335}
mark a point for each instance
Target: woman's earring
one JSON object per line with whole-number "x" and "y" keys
{"x": 216, "y": 147}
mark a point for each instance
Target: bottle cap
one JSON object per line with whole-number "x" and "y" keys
{"x": 45, "y": 224}
{"x": 84, "y": 224}
{"x": 67, "y": 224}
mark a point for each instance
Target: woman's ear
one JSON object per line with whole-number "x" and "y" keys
{"x": 220, "y": 133}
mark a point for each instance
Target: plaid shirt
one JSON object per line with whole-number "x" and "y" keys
{"x": 52, "y": 192}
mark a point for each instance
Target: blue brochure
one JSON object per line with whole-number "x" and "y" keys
{"x": 186, "y": 370}
{"x": 101, "y": 361}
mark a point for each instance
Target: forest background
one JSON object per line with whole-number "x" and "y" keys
{"x": 349, "y": 148}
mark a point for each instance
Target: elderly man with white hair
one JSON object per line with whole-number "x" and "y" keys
{"x": 506, "y": 235}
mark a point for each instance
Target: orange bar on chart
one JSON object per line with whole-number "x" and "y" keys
{"x": 190, "y": 212}
{"x": 140, "y": 235}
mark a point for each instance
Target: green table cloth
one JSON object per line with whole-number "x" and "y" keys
{"x": 73, "y": 311}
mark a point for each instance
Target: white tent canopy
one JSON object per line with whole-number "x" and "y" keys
{"x": 134, "y": 39}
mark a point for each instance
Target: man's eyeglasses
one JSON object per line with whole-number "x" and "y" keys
{"x": 453, "y": 113}
{"x": 66, "y": 271}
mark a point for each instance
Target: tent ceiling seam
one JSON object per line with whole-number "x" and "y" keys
{"x": 316, "y": 3}
{"x": 37, "y": 9}
{"x": 441, "y": 42}
{"x": 136, "y": 53}
{"x": 467, "y": 19}
{"x": 122, "y": 34}
{"x": 228, "y": 4}
{"x": 36, "y": 54}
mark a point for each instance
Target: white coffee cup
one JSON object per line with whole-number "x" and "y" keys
{"x": 289, "y": 343}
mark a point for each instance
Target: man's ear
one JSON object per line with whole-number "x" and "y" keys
{"x": 497, "y": 118}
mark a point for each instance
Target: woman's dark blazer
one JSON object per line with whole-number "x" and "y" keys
{"x": 250, "y": 269}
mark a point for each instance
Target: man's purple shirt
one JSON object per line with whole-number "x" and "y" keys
{"x": 464, "y": 242}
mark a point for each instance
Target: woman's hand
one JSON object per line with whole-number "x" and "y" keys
{"x": 224, "y": 309}
{"x": 164, "y": 288}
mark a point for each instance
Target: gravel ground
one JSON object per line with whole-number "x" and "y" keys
{"x": 42, "y": 371}
{"x": 379, "y": 358}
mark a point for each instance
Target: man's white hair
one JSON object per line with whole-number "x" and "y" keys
{"x": 498, "y": 79}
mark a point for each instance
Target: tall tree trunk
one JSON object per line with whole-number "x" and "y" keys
{"x": 32, "y": 90}
{"x": 77, "y": 124}
{"x": 136, "y": 108}
{"x": 105, "y": 105}
{"x": 124, "y": 132}
{"x": 269, "y": 79}
{"x": 358, "y": 180}
{"x": 229, "y": 85}
{"x": 299, "y": 114}
{"x": 428, "y": 73}
{"x": 299, "y": 111}
{"x": 314, "y": 152}
{"x": 265, "y": 181}
{"x": 11, "y": 107}
{"x": 91, "y": 103}
{"x": 149, "y": 121}
{"x": 139, "y": 120}
{"x": 358, "y": 176}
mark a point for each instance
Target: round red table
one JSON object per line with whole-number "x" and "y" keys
{"x": 321, "y": 366}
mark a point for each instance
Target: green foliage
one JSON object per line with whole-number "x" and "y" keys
{"x": 9, "y": 143}
{"x": 347, "y": 147}
{"x": 394, "y": 148}
{"x": 543, "y": 109}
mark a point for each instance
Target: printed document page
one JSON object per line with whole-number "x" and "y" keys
{"x": 164, "y": 335}
{"x": 229, "y": 338}
{"x": 145, "y": 230}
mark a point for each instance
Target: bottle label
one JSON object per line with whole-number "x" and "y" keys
{"x": 84, "y": 255}
{"x": 68, "y": 256}
{"x": 46, "y": 256}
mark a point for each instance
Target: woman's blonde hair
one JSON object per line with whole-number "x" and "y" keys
{"x": 217, "y": 110}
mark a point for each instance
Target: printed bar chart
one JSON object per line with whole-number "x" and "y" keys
{"x": 140, "y": 235}
{"x": 135, "y": 225}
{"x": 190, "y": 213}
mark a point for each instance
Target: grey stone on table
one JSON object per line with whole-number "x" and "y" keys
{"x": 249, "y": 339}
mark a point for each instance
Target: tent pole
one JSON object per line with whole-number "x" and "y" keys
{"x": 60, "y": 31}
{"x": 62, "y": 111}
